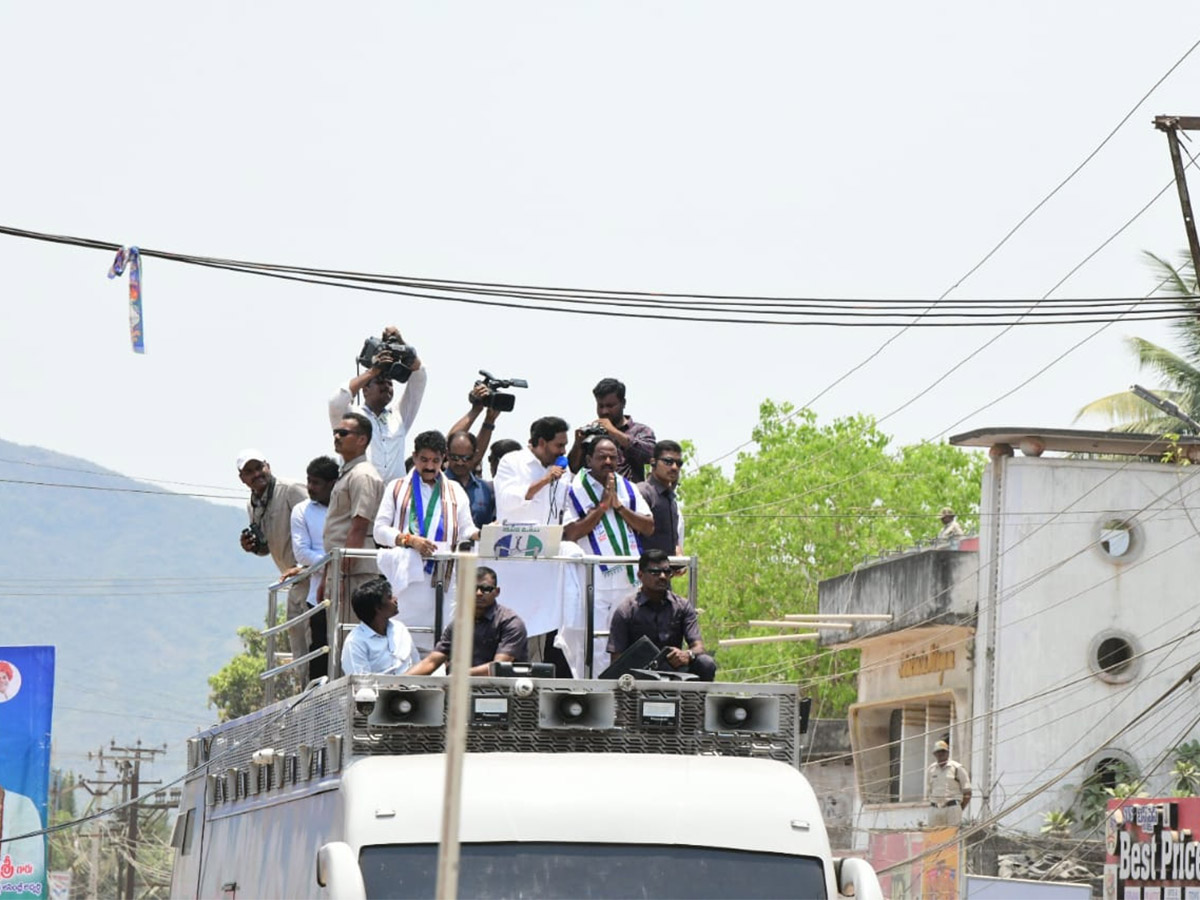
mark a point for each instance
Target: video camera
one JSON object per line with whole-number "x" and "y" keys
{"x": 496, "y": 400}
{"x": 403, "y": 356}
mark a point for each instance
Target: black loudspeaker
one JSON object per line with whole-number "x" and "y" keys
{"x": 727, "y": 712}
{"x": 421, "y": 707}
{"x": 594, "y": 710}
{"x": 641, "y": 654}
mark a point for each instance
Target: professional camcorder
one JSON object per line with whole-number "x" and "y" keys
{"x": 403, "y": 356}
{"x": 496, "y": 400}
{"x": 592, "y": 431}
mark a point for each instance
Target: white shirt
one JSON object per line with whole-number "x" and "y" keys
{"x": 308, "y": 529}
{"x": 387, "y": 524}
{"x": 386, "y": 451}
{"x": 516, "y": 472}
{"x": 368, "y": 652}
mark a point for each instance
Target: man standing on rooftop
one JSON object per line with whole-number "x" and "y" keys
{"x": 634, "y": 440}
{"x": 390, "y": 418}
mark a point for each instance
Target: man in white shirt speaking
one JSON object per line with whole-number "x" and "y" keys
{"x": 531, "y": 484}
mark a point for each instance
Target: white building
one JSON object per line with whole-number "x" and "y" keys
{"x": 1031, "y": 653}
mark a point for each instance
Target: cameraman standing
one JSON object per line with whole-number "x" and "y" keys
{"x": 634, "y": 440}
{"x": 270, "y": 531}
{"x": 466, "y": 453}
{"x": 390, "y": 417}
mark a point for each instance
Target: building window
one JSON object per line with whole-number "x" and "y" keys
{"x": 1113, "y": 657}
{"x": 893, "y": 744}
{"x": 1117, "y": 539}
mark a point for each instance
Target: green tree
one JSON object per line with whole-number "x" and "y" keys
{"x": 1179, "y": 371}
{"x": 809, "y": 504}
{"x": 237, "y": 689}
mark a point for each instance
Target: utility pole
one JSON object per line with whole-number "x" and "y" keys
{"x": 128, "y": 764}
{"x": 1172, "y": 125}
{"x": 131, "y": 758}
{"x": 98, "y": 787}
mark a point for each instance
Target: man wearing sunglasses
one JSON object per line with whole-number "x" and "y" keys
{"x": 353, "y": 503}
{"x": 660, "y": 614}
{"x": 460, "y": 465}
{"x": 499, "y": 632}
{"x": 659, "y": 491}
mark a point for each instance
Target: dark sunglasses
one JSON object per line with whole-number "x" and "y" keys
{"x": 342, "y": 432}
{"x": 458, "y": 457}
{"x": 670, "y": 462}
{"x": 485, "y": 588}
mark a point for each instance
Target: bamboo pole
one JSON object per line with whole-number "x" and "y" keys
{"x": 765, "y": 623}
{"x": 769, "y": 639}
{"x": 846, "y": 617}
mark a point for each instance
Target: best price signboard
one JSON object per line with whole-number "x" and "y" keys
{"x": 1152, "y": 849}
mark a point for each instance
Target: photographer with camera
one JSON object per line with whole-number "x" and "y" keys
{"x": 270, "y": 530}
{"x": 634, "y": 440}
{"x": 387, "y": 359}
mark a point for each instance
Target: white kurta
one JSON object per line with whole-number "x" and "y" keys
{"x": 614, "y": 583}
{"x": 404, "y": 567}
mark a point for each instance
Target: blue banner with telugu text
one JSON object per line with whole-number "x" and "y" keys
{"x": 26, "y": 709}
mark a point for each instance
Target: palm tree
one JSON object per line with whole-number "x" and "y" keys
{"x": 1180, "y": 372}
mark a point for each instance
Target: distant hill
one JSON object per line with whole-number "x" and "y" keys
{"x": 140, "y": 594}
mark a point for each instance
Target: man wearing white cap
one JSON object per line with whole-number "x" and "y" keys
{"x": 948, "y": 788}
{"x": 270, "y": 530}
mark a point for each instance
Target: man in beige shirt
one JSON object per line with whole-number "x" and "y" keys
{"x": 948, "y": 788}
{"x": 352, "y": 507}
{"x": 270, "y": 531}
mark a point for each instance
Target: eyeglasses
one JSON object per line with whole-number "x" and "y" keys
{"x": 670, "y": 462}
{"x": 657, "y": 571}
{"x": 485, "y": 588}
{"x": 459, "y": 457}
{"x": 342, "y": 432}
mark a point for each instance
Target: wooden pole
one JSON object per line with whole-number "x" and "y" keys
{"x": 764, "y": 623}
{"x": 841, "y": 617}
{"x": 769, "y": 639}
{"x": 456, "y": 726}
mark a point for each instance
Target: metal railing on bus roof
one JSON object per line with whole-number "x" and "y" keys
{"x": 335, "y": 627}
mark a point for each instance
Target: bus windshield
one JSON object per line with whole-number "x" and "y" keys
{"x": 544, "y": 870}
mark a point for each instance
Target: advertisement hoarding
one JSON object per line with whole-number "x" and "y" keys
{"x": 26, "y": 709}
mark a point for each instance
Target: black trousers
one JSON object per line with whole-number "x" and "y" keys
{"x": 318, "y": 666}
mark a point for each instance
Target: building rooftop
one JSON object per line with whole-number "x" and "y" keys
{"x": 1033, "y": 441}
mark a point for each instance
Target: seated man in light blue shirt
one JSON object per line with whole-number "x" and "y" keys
{"x": 379, "y": 644}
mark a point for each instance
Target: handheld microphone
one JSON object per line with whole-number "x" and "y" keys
{"x": 561, "y": 462}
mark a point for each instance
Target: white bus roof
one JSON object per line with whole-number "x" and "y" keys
{"x": 750, "y": 804}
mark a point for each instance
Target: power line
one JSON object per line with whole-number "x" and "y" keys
{"x": 846, "y": 313}
{"x": 987, "y": 256}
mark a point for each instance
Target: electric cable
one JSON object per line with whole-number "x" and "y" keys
{"x": 1004, "y": 240}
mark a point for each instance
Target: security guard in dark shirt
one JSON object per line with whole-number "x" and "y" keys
{"x": 663, "y": 616}
{"x": 499, "y": 632}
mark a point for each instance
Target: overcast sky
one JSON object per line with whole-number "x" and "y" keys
{"x": 848, "y": 149}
